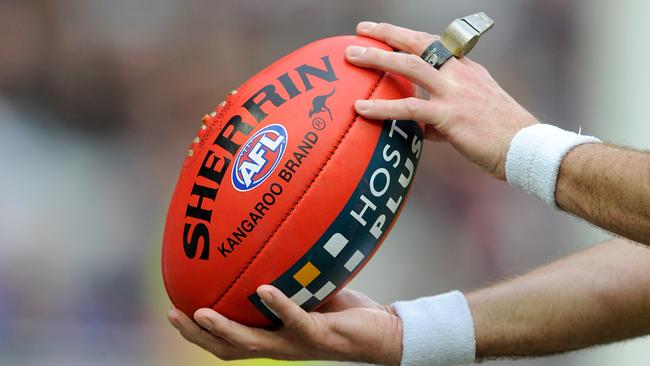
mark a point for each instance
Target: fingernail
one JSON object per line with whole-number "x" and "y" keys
{"x": 363, "y": 105}
{"x": 266, "y": 296}
{"x": 365, "y": 26}
{"x": 355, "y": 51}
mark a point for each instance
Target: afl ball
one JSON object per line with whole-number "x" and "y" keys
{"x": 285, "y": 184}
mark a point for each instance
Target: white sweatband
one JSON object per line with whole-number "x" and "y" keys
{"x": 437, "y": 330}
{"x": 534, "y": 158}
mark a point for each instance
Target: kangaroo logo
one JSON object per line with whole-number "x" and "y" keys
{"x": 318, "y": 104}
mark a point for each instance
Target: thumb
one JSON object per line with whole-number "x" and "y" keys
{"x": 292, "y": 315}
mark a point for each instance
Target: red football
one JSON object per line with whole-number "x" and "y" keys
{"x": 287, "y": 185}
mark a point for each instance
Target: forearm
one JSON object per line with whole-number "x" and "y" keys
{"x": 597, "y": 296}
{"x": 609, "y": 187}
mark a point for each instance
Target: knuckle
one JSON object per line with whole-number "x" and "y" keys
{"x": 414, "y": 62}
{"x": 383, "y": 27}
{"x": 412, "y": 105}
{"x": 380, "y": 57}
{"x": 423, "y": 37}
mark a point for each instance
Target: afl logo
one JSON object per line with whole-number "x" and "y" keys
{"x": 258, "y": 157}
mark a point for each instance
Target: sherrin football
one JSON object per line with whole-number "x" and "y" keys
{"x": 286, "y": 185}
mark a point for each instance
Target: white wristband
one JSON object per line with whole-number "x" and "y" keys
{"x": 534, "y": 158}
{"x": 437, "y": 330}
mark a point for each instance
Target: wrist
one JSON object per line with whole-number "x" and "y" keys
{"x": 437, "y": 330}
{"x": 534, "y": 157}
{"x": 569, "y": 192}
{"x": 520, "y": 121}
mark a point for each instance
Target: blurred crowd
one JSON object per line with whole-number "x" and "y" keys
{"x": 100, "y": 99}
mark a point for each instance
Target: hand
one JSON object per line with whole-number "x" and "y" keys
{"x": 349, "y": 327}
{"x": 466, "y": 106}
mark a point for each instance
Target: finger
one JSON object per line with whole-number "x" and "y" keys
{"x": 193, "y": 333}
{"x": 347, "y": 299}
{"x": 249, "y": 339}
{"x": 292, "y": 315}
{"x": 410, "y": 66}
{"x": 403, "y": 39}
{"x": 343, "y": 300}
{"x": 411, "y": 108}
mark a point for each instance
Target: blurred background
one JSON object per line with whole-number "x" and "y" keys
{"x": 100, "y": 99}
